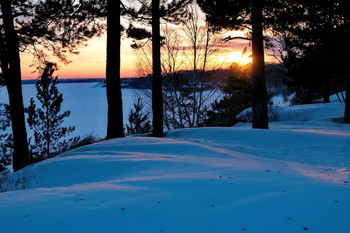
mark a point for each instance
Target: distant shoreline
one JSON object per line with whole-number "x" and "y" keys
{"x": 138, "y": 83}
{"x": 71, "y": 80}
{"x": 77, "y": 80}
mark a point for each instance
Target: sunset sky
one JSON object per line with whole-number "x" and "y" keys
{"x": 90, "y": 63}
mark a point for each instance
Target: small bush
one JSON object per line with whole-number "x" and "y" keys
{"x": 87, "y": 140}
{"x": 138, "y": 121}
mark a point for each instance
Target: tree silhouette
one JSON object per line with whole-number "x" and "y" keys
{"x": 11, "y": 68}
{"x": 316, "y": 39}
{"x": 46, "y": 121}
{"x": 152, "y": 13}
{"x": 138, "y": 121}
{"x": 42, "y": 26}
{"x": 115, "y": 127}
{"x": 241, "y": 14}
{"x": 157, "y": 96}
{"x": 238, "y": 96}
{"x": 259, "y": 103}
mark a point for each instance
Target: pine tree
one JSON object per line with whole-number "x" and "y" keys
{"x": 238, "y": 96}
{"x": 157, "y": 93}
{"x": 139, "y": 122}
{"x": 6, "y": 140}
{"x": 346, "y": 13}
{"x": 11, "y": 69}
{"x": 114, "y": 94}
{"x": 314, "y": 39}
{"x": 239, "y": 15}
{"x": 317, "y": 41}
{"x": 46, "y": 121}
{"x": 259, "y": 103}
{"x": 40, "y": 27}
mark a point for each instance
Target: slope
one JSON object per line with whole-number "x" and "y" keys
{"x": 287, "y": 179}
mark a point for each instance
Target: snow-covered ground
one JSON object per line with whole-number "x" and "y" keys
{"x": 291, "y": 178}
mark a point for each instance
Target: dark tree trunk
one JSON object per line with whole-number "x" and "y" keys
{"x": 326, "y": 88}
{"x": 12, "y": 74}
{"x": 260, "y": 115}
{"x": 309, "y": 96}
{"x": 157, "y": 96}
{"x": 115, "y": 127}
{"x": 347, "y": 100}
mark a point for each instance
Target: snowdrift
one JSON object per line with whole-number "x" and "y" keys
{"x": 291, "y": 178}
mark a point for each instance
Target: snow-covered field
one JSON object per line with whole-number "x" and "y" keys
{"x": 291, "y": 178}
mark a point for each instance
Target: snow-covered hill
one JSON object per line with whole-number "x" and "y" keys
{"x": 291, "y": 178}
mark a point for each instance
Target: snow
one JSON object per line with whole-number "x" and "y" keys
{"x": 291, "y": 178}
{"x": 301, "y": 113}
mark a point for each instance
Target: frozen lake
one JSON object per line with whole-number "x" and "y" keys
{"x": 87, "y": 103}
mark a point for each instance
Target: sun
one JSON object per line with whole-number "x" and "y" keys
{"x": 239, "y": 57}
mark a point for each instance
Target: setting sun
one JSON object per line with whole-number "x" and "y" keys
{"x": 239, "y": 57}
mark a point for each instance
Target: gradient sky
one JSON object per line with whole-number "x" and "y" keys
{"x": 90, "y": 62}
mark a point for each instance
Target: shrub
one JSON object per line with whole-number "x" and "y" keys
{"x": 138, "y": 121}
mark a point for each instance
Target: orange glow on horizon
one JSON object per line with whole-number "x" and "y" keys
{"x": 238, "y": 57}
{"x": 91, "y": 61}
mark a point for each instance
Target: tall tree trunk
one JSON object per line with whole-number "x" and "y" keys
{"x": 260, "y": 115}
{"x": 12, "y": 74}
{"x": 347, "y": 100}
{"x": 115, "y": 127}
{"x": 157, "y": 96}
